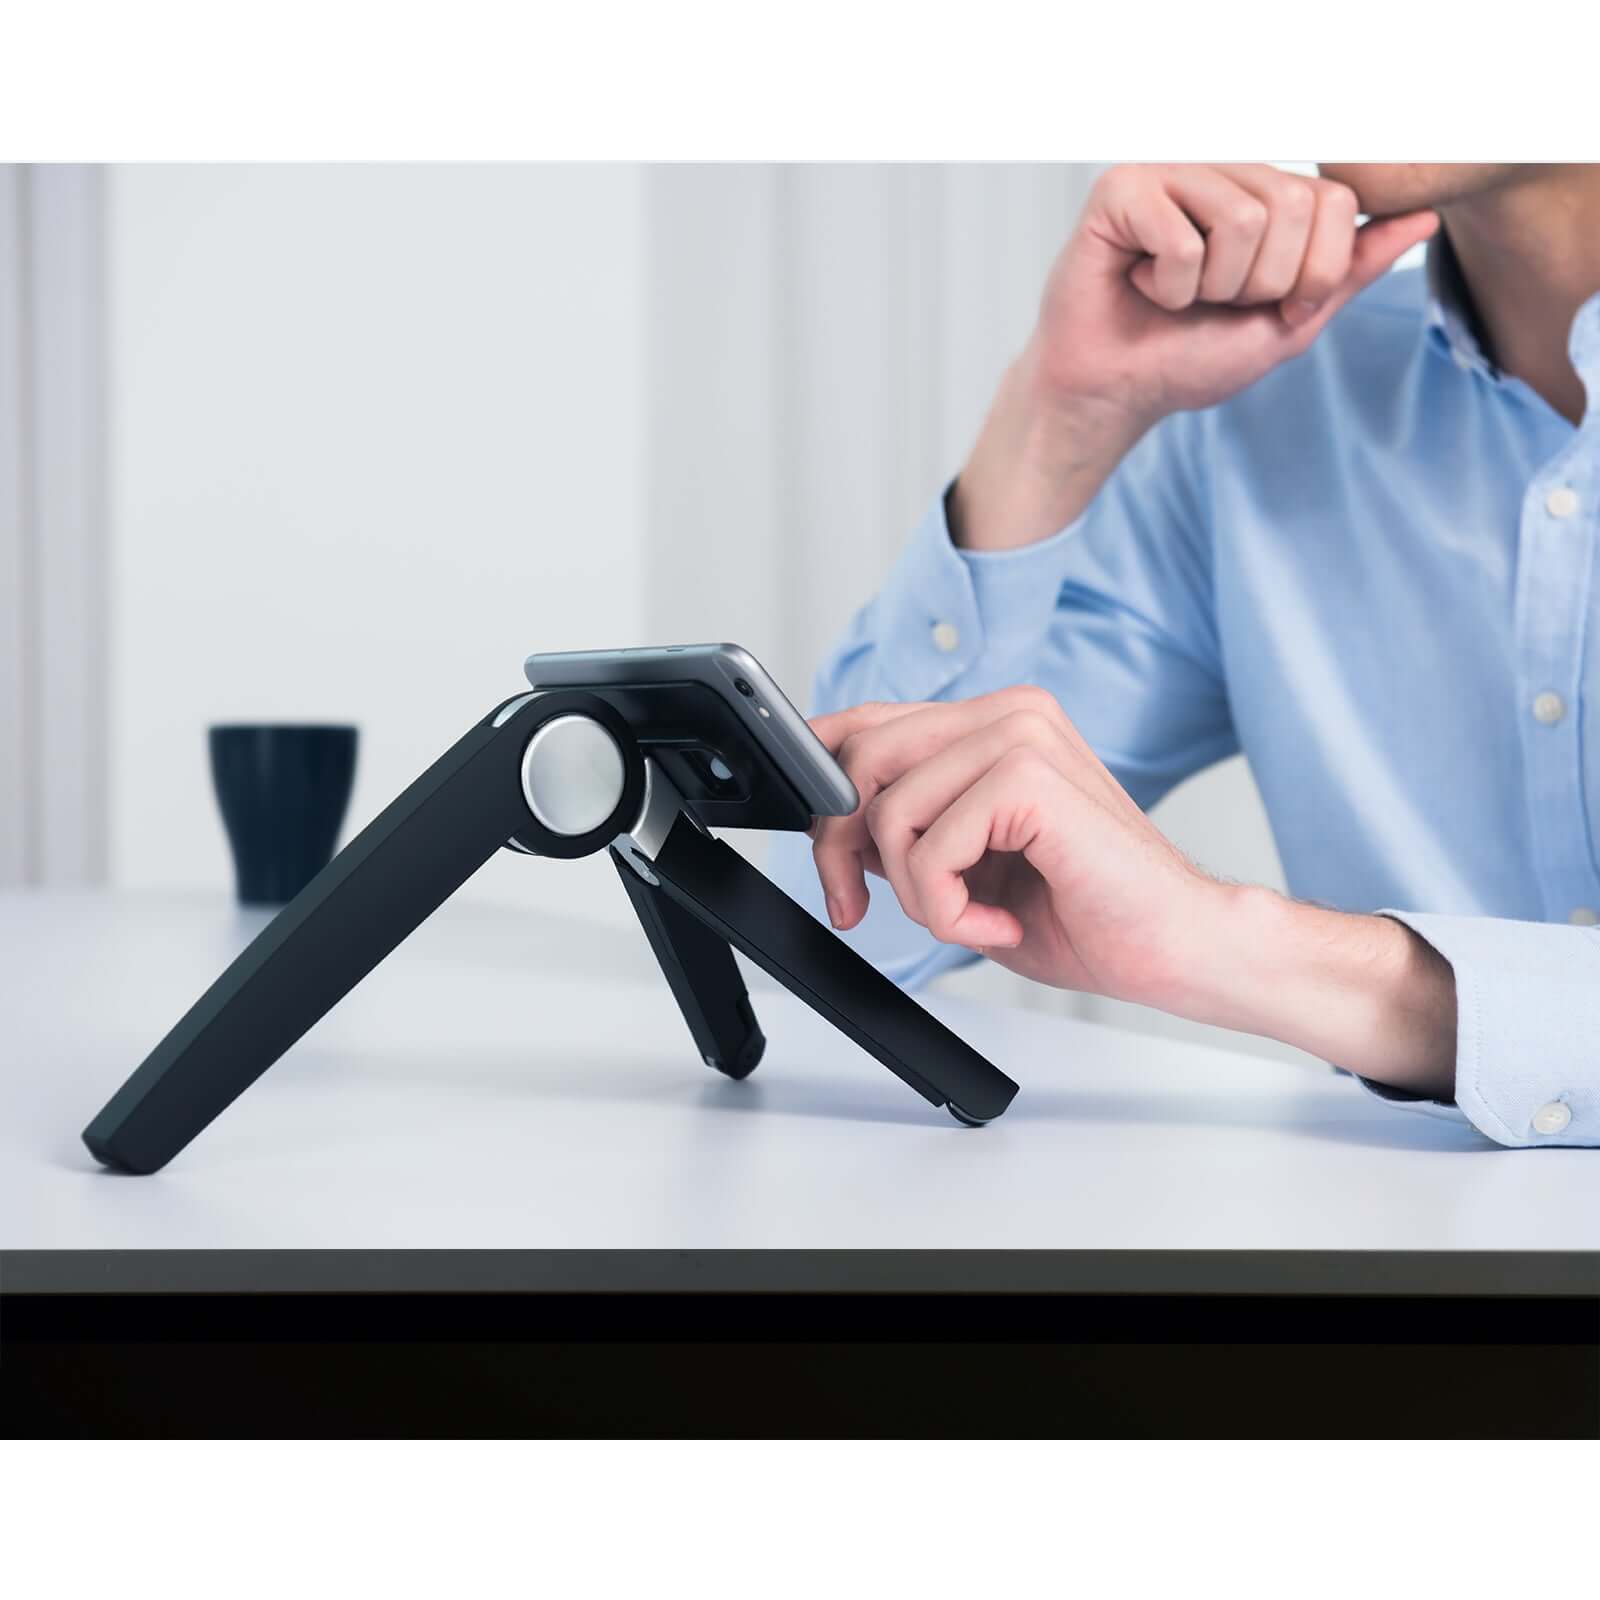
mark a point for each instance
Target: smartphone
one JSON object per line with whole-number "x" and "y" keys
{"x": 718, "y": 725}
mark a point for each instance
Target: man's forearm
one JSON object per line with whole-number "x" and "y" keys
{"x": 1365, "y": 993}
{"x": 999, "y": 830}
{"x": 1038, "y": 462}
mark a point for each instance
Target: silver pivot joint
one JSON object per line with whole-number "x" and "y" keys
{"x": 661, "y": 808}
{"x": 572, "y": 780}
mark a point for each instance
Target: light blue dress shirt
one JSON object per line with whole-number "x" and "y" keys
{"x": 1373, "y": 572}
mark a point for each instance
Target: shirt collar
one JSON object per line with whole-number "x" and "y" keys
{"x": 1452, "y": 321}
{"x": 1454, "y": 326}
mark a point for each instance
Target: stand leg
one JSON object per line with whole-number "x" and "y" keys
{"x": 721, "y": 889}
{"x": 703, "y": 976}
{"x": 380, "y": 887}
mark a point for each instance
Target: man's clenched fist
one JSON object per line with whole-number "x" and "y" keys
{"x": 1181, "y": 286}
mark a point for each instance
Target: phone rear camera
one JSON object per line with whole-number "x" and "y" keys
{"x": 744, "y": 688}
{"x": 708, "y": 774}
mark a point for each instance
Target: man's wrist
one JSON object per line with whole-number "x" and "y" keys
{"x": 1363, "y": 992}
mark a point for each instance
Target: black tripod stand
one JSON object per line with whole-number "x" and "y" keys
{"x": 554, "y": 773}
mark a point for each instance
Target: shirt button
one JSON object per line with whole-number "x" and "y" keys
{"x": 1561, "y": 503}
{"x": 946, "y": 636}
{"x": 1583, "y": 916}
{"x": 1549, "y": 708}
{"x": 1552, "y": 1118}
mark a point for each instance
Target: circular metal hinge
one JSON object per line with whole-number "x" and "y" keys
{"x": 572, "y": 774}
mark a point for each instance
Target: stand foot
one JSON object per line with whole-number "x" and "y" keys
{"x": 966, "y": 1121}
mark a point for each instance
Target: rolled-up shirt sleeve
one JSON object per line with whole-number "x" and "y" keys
{"x": 1527, "y": 1028}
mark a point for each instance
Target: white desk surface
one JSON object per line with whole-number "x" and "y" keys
{"x": 512, "y": 1101}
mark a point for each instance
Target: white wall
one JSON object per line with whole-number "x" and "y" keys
{"x": 53, "y": 726}
{"x": 377, "y": 432}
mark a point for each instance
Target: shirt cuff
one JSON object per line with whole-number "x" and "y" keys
{"x": 947, "y": 609}
{"x": 1527, "y": 1027}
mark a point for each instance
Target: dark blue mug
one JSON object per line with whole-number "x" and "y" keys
{"x": 283, "y": 790}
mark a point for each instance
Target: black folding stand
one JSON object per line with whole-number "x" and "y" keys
{"x": 554, "y": 773}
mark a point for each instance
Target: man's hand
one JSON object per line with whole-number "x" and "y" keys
{"x": 1181, "y": 286}
{"x": 998, "y": 829}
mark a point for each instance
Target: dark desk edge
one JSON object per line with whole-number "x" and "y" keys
{"x": 1083, "y": 1272}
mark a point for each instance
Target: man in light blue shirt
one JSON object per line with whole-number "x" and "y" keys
{"x": 1222, "y": 504}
